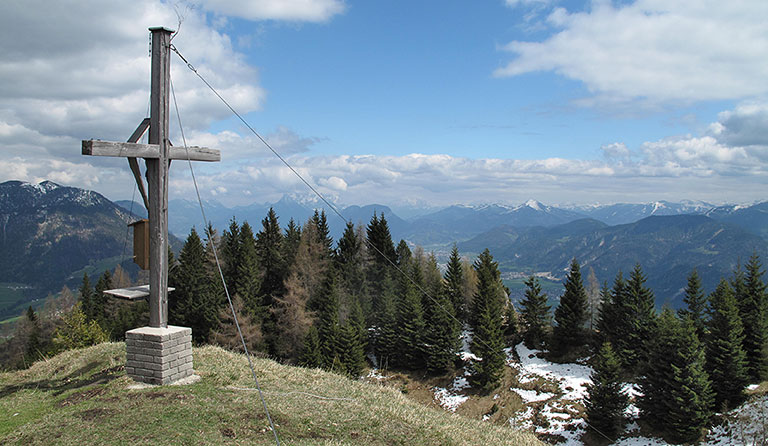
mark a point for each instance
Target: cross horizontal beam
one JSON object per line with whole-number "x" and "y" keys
{"x": 135, "y": 150}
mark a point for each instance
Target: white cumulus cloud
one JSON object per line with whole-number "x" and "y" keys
{"x": 654, "y": 50}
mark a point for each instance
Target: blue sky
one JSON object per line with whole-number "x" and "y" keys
{"x": 404, "y": 102}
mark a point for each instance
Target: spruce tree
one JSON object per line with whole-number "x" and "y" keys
{"x": 569, "y": 332}
{"x": 380, "y": 239}
{"x": 34, "y": 347}
{"x": 191, "y": 281}
{"x": 291, "y": 242}
{"x": 311, "y": 354}
{"x": 350, "y": 263}
{"x": 323, "y": 233}
{"x": 386, "y": 328}
{"x": 403, "y": 253}
{"x": 753, "y": 317}
{"x": 231, "y": 257}
{"x": 640, "y": 305}
{"x": 441, "y": 335}
{"x": 381, "y": 257}
{"x": 510, "y": 325}
{"x": 488, "y": 338}
{"x": 99, "y": 300}
{"x": 350, "y": 350}
{"x": 535, "y": 314}
{"x": 695, "y": 304}
{"x": 410, "y": 327}
{"x": 269, "y": 249}
{"x": 677, "y": 394}
{"x": 86, "y": 297}
{"x": 454, "y": 283}
{"x": 656, "y": 380}
{"x": 248, "y": 275}
{"x": 691, "y": 393}
{"x": 726, "y": 360}
{"x": 606, "y": 402}
{"x": 328, "y": 327}
{"x": 271, "y": 260}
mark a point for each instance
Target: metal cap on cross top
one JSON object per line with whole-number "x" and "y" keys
{"x": 157, "y": 154}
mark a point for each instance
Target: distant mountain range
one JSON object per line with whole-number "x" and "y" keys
{"x": 459, "y": 222}
{"x": 667, "y": 247}
{"x": 51, "y": 234}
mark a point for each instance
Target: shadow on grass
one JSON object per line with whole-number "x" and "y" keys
{"x": 77, "y": 379}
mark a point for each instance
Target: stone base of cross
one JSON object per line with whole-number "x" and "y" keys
{"x": 159, "y": 353}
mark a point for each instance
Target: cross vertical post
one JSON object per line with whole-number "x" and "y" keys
{"x": 159, "y": 353}
{"x": 157, "y": 177}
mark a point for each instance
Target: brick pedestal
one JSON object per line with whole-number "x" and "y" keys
{"x": 158, "y": 355}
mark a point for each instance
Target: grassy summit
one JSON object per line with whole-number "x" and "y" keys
{"x": 82, "y": 397}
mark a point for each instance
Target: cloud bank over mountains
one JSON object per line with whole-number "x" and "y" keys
{"x": 81, "y": 70}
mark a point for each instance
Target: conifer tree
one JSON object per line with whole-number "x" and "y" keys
{"x": 535, "y": 314}
{"x": 323, "y": 233}
{"x": 386, "y": 329}
{"x": 191, "y": 281}
{"x": 695, "y": 304}
{"x": 676, "y": 390}
{"x": 441, "y": 334}
{"x": 454, "y": 283}
{"x": 569, "y": 332}
{"x": 641, "y": 315}
{"x": 328, "y": 327}
{"x": 86, "y": 297}
{"x": 488, "y": 339}
{"x": 34, "y": 345}
{"x": 356, "y": 318}
{"x": 311, "y": 355}
{"x": 99, "y": 299}
{"x": 380, "y": 239}
{"x": 350, "y": 264}
{"x": 606, "y": 402}
{"x": 753, "y": 316}
{"x": 403, "y": 253}
{"x": 226, "y": 334}
{"x": 231, "y": 255}
{"x": 292, "y": 319}
{"x": 291, "y": 242}
{"x": 616, "y": 321}
{"x": 248, "y": 275}
{"x": 269, "y": 250}
{"x": 511, "y": 329}
{"x": 726, "y": 360}
{"x": 77, "y": 332}
{"x": 381, "y": 257}
{"x": 350, "y": 350}
{"x": 410, "y": 326}
{"x": 691, "y": 393}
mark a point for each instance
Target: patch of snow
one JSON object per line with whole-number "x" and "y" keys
{"x": 529, "y": 396}
{"x": 447, "y": 400}
{"x": 460, "y": 383}
{"x": 640, "y": 441}
{"x": 753, "y": 386}
{"x": 747, "y": 424}
{"x": 374, "y": 374}
{"x": 572, "y": 378}
{"x": 467, "y": 356}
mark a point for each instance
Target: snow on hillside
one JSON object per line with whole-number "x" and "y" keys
{"x": 552, "y": 396}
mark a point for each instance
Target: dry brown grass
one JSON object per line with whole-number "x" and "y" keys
{"x": 82, "y": 397}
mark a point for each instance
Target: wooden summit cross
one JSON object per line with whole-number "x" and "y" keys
{"x": 152, "y": 352}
